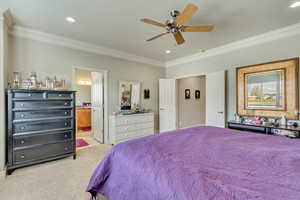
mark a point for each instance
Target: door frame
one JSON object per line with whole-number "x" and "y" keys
{"x": 105, "y": 95}
{"x": 177, "y": 104}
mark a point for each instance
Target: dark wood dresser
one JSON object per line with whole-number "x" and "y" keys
{"x": 40, "y": 126}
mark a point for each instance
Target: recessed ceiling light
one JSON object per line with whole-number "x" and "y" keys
{"x": 168, "y": 51}
{"x": 70, "y": 20}
{"x": 295, "y": 4}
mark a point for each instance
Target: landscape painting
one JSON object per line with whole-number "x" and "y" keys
{"x": 265, "y": 90}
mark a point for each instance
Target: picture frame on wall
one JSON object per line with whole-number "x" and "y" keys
{"x": 268, "y": 89}
{"x": 187, "y": 93}
{"x": 197, "y": 94}
{"x": 146, "y": 93}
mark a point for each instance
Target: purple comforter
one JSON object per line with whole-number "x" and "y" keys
{"x": 201, "y": 163}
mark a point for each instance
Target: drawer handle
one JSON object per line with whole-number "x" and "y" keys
{"x": 66, "y": 148}
{"x": 66, "y": 124}
{"x": 22, "y": 104}
{"x": 22, "y": 142}
{"x": 66, "y": 136}
{"x": 29, "y": 95}
{"x": 22, "y": 115}
{"x": 22, "y": 156}
{"x": 60, "y": 95}
{"x": 66, "y": 113}
{"x": 66, "y": 103}
{"x": 23, "y": 128}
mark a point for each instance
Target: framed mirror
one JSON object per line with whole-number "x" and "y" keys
{"x": 129, "y": 94}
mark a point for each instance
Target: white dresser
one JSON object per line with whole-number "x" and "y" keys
{"x": 127, "y": 127}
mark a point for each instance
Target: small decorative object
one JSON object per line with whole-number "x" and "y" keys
{"x": 283, "y": 121}
{"x": 54, "y": 82}
{"x": 187, "y": 93}
{"x": 48, "y": 82}
{"x": 33, "y": 80}
{"x": 25, "y": 84}
{"x": 146, "y": 93}
{"x": 197, "y": 94}
{"x": 256, "y": 122}
{"x": 292, "y": 123}
{"x": 33, "y": 83}
{"x": 17, "y": 80}
{"x": 237, "y": 118}
{"x": 266, "y": 123}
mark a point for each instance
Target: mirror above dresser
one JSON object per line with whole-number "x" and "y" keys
{"x": 129, "y": 95}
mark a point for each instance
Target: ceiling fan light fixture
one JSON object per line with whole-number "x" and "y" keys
{"x": 71, "y": 20}
{"x": 175, "y": 25}
{"x": 295, "y": 4}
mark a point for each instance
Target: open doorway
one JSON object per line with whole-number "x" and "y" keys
{"x": 191, "y": 101}
{"x": 90, "y": 113}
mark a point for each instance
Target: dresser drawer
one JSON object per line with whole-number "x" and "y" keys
{"x": 42, "y": 138}
{"x": 42, "y": 152}
{"x": 25, "y": 115}
{"x": 57, "y": 95}
{"x": 135, "y": 134}
{"x": 133, "y": 120}
{"x": 42, "y": 125}
{"x": 40, "y": 104}
{"x": 133, "y": 127}
{"x": 27, "y": 95}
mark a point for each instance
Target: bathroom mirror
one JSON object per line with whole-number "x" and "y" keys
{"x": 129, "y": 94}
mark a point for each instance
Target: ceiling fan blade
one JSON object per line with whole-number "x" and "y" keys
{"x": 197, "y": 28}
{"x": 179, "y": 38}
{"x": 186, "y": 14}
{"x": 157, "y": 36}
{"x": 152, "y": 22}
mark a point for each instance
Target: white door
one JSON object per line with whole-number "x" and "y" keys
{"x": 215, "y": 99}
{"x": 167, "y": 105}
{"x": 97, "y": 106}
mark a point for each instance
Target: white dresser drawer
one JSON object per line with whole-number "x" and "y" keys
{"x": 134, "y": 134}
{"x": 120, "y": 121}
{"x": 123, "y": 128}
{"x": 133, "y": 127}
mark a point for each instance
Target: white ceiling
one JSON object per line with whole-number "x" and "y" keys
{"x": 115, "y": 24}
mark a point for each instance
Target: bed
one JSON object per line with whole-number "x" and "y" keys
{"x": 201, "y": 163}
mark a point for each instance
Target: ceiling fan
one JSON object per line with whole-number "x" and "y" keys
{"x": 176, "y": 24}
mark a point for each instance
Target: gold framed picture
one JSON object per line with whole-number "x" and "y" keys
{"x": 269, "y": 89}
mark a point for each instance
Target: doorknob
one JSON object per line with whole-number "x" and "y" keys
{"x": 220, "y": 112}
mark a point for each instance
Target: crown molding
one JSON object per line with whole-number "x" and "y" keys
{"x": 31, "y": 34}
{"x": 83, "y": 46}
{"x": 252, "y": 41}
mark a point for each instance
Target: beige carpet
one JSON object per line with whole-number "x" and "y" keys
{"x": 64, "y": 179}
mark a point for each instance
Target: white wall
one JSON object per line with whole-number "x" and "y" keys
{"x": 271, "y": 51}
{"x": 83, "y": 91}
{"x": 50, "y": 60}
{"x": 191, "y": 111}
